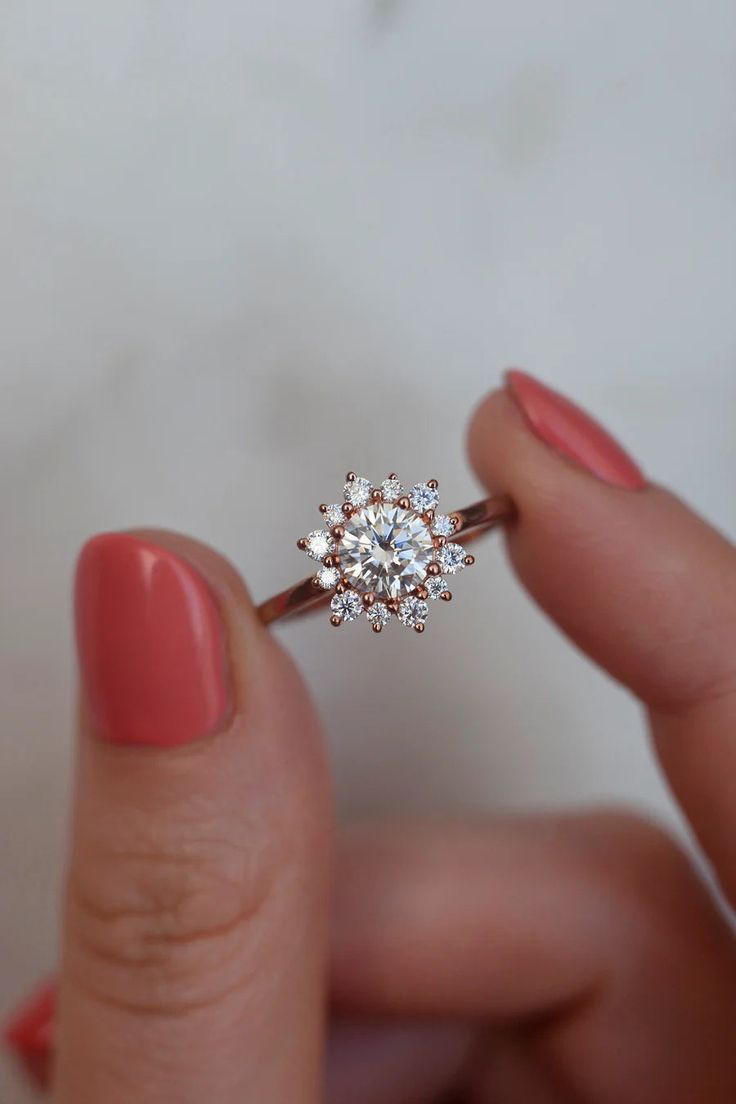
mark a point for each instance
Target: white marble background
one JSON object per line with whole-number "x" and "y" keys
{"x": 248, "y": 246}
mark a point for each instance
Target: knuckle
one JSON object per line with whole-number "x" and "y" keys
{"x": 165, "y": 929}
{"x": 640, "y": 859}
{"x": 659, "y": 909}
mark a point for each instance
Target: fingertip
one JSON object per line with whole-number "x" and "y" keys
{"x": 562, "y": 428}
{"x": 151, "y": 642}
{"x": 629, "y": 572}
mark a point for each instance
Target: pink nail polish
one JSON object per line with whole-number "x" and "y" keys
{"x": 150, "y": 642}
{"x": 560, "y": 423}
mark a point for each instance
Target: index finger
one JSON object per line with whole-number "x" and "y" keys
{"x": 635, "y": 578}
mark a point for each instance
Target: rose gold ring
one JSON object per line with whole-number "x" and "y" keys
{"x": 384, "y": 551}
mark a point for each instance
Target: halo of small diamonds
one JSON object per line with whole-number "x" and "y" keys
{"x": 384, "y": 553}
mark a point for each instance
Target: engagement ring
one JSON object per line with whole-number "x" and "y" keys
{"x": 385, "y": 552}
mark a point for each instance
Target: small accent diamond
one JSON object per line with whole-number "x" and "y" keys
{"x": 413, "y": 612}
{"x": 443, "y": 526}
{"x": 347, "y": 605}
{"x": 358, "y": 492}
{"x": 391, "y": 489}
{"x": 423, "y": 497}
{"x": 333, "y": 515}
{"x": 451, "y": 558}
{"x": 436, "y": 586}
{"x": 327, "y": 577}
{"x": 320, "y": 543}
{"x": 379, "y": 614}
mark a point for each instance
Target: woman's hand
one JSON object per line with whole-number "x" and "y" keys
{"x": 510, "y": 960}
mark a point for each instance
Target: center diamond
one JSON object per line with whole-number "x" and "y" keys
{"x": 386, "y": 550}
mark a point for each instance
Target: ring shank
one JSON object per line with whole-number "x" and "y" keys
{"x": 470, "y": 522}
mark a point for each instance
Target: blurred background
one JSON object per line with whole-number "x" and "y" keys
{"x": 246, "y": 247}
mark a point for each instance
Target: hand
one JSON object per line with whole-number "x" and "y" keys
{"x": 510, "y": 960}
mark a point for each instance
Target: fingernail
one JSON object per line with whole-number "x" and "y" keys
{"x": 29, "y": 1027}
{"x": 150, "y": 643}
{"x": 29, "y": 1032}
{"x": 560, "y": 423}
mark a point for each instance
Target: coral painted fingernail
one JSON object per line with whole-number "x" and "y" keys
{"x": 29, "y": 1032}
{"x": 560, "y": 423}
{"x": 150, "y": 643}
{"x": 29, "y": 1028}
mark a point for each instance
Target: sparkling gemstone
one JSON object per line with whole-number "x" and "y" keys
{"x": 443, "y": 526}
{"x": 385, "y": 550}
{"x": 358, "y": 492}
{"x": 333, "y": 515}
{"x": 391, "y": 489}
{"x": 451, "y": 558}
{"x": 435, "y": 584}
{"x": 320, "y": 543}
{"x": 347, "y": 605}
{"x": 327, "y": 577}
{"x": 423, "y": 497}
{"x": 413, "y": 611}
{"x": 379, "y": 614}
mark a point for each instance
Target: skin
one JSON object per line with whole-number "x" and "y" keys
{"x": 508, "y": 960}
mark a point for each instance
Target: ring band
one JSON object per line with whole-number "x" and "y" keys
{"x": 471, "y": 522}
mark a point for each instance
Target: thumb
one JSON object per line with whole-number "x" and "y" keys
{"x": 195, "y": 928}
{"x": 638, "y": 581}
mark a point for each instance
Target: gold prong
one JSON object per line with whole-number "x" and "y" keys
{"x": 330, "y": 560}
{"x": 316, "y": 583}
{"x": 340, "y": 587}
{"x": 439, "y": 541}
{"x": 392, "y": 475}
{"x": 434, "y": 569}
{"x": 419, "y": 628}
{"x": 348, "y": 510}
{"x": 446, "y": 596}
{"x": 350, "y": 477}
{"x": 429, "y": 516}
{"x": 377, "y": 495}
{"x": 377, "y": 628}
{"x": 469, "y": 560}
{"x": 302, "y": 544}
{"x": 433, "y": 484}
{"x": 393, "y": 604}
{"x": 368, "y": 599}
{"x": 421, "y": 592}
{"x": 338, "y": 531}
{"x": 323, "y": 507}
{"x": 336, "y": 620}
{"x": 403, "y": 502}
{"x": 456, "y": 522}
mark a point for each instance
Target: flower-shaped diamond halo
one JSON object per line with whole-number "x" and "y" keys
{"x": 384, "y": 552}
